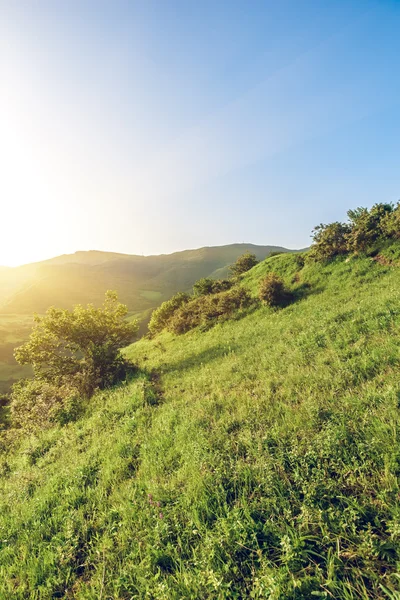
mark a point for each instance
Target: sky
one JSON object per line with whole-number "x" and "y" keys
{"x": 148, "y": 127}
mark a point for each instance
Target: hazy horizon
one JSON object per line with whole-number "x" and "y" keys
{"x": 149, "y": 128}
{"x": 249, "y": 244}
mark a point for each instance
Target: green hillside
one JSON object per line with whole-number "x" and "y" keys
{"x": 258, "y": 458}
{"x": 142, "y": 283}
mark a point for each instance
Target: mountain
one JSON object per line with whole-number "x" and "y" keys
{"x": 141, "y": 281}
{"x": 256, "y": 459}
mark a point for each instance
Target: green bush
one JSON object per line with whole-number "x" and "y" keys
{"x": 38, "y": 404}
{"x": 367, "y": 226}
{"x": 390, "y": 223}
{"x": 205, "y": 310}
{"x": 243, "y": 264}
{"x": 273, "y": 292}
{"x": 207, "y": 286}
{"x": 161, "y": 315}
{"x": 329, "y": 240}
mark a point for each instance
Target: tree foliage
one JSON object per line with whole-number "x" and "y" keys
{"x": 243, "y": 264}
{"x": 82, "y": 344}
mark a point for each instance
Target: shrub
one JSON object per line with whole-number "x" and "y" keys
{"x": 162, "y": 315}
{"x": 329, "y": 240}
{"x": 272, "y": 291}
{"x": 82, "y": 344}
{"x": 244, "y": 263}
{"x": 390, "y": 223}
{"x": 40, "y": 404}
{"x": 367, "y": 226}
{"x": 207, "y": 286}
{"x": 207, "y": 309}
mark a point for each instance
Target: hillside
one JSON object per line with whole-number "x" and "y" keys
{"x": 142, "y": 282}
{"x": 256, "y": 459}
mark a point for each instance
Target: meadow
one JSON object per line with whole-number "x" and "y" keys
{"x": 256, "y": 459}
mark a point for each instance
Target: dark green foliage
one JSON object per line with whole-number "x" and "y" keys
{"x": 243, "y": 264}
{"x": 205, "y": 310}
{"x": 207, "y": 286}
{"x": 162, "y": 315}
{"x": 273, "y": 292}
{"x": 329, "y": 240}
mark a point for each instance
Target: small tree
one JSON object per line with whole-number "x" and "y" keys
{"x": 244, "y": 263}
{"x": 329, "y": 240}
{"x": 82, "y": 344}
{"x": 272, "y": 291}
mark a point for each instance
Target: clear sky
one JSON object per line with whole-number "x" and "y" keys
{"x": 149, "y": 127}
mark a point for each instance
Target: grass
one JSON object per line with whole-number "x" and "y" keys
{"x": 258, "y": 459}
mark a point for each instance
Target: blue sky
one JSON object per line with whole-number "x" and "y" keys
{"x": 149, "y": 127}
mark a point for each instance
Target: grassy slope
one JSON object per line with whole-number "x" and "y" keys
{"x": 271, "y": 444}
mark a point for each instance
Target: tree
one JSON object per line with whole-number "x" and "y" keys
{"x": 329, "y": 240}
{"x": 244, "y": 263}
{"x": 82, "y": 345}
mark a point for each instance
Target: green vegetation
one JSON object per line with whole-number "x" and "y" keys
{"x": 142, "y": 283}
{"x": 258, "y": 458}
{"x": 366, "y": 231}
{"x": 73, "y": 354}
{"x": 273, "y": 292}
{"x": 244, "y": 263}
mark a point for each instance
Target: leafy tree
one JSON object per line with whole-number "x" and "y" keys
{"x": 82, "y": 344}
{"x": 244, "y": 263}
{"x": 161, "y": 315}
{"x": 329, "y": 240}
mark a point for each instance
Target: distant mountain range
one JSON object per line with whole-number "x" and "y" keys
{"x": 142, "y": 282}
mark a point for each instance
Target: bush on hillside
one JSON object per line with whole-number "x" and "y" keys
{"x": 243, "y": 264}
{"x": 40, "y": 404}
{"x": 205, "y": 310}
{"x": 206, "y": 286}
{"x": 367, "y": 226}
{"x": 82, "y": 345}
{"x": 329, "y": 240}
{"x": 273, "y": 292}
{"x": 390, "y": 223}
{"x": 162, "y": 315}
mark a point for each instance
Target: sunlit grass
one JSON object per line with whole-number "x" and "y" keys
{"x": 257, "y": 459}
